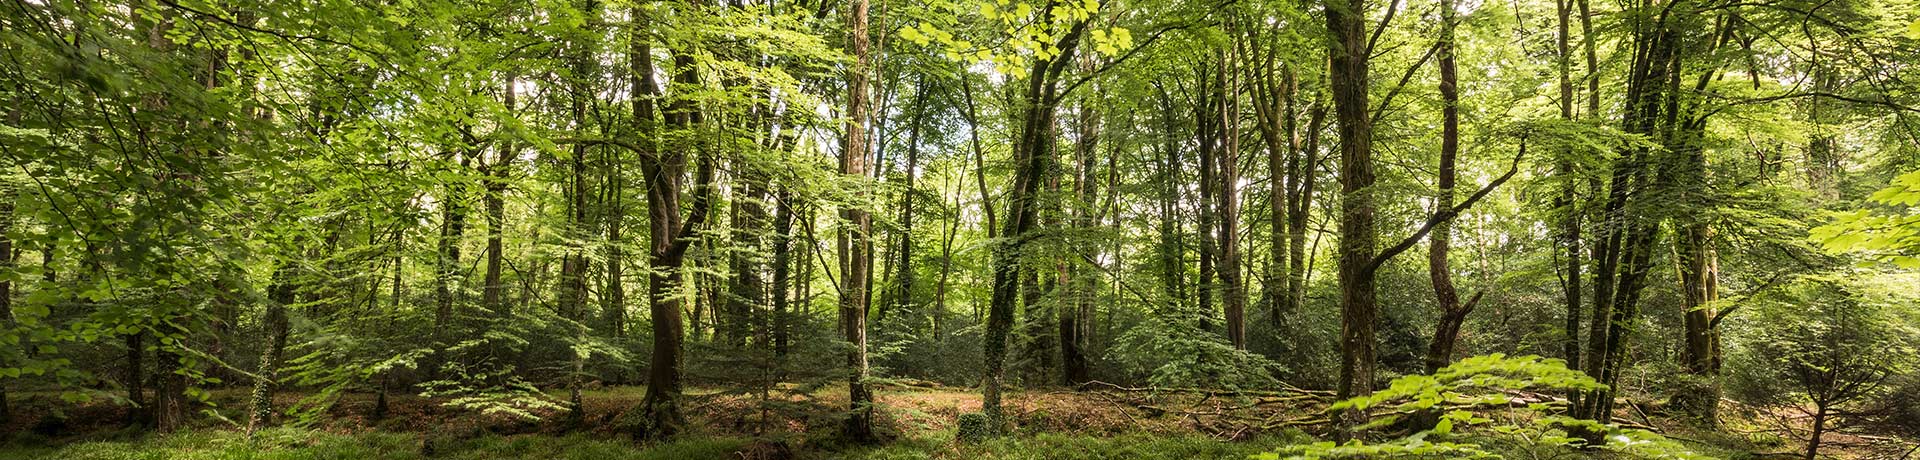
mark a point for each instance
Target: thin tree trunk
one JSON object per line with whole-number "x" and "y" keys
{"x": 1233, "y": 292}
{"x": 496, "y": 204}
{"x": 1307, "y": 170}
{"x": 903, "y": 290}
{"x": 782, "y": 267}
{"x": 1569, "y": 231}
{"x": 1439, "y": 268}
{"x": 1075, "y": 299}
{"x": 1819, "y": 430}
{"x": 979, "y": 159}
{"x": 1172, "y": 253}
{"x": 1207, "y": 134}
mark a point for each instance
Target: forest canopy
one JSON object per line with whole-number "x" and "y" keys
{"x": 1433, "y": 228}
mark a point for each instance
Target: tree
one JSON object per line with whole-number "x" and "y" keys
{"x": 1826, "y": 341}
{"x": 855, "y": 260}
{"x": 664, "y": 169}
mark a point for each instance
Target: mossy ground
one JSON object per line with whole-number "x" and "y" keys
{"x": 920, "y": 423}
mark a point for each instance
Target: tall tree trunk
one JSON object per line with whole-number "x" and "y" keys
{"x": 614, "y": 304}
{"x": 1278, "y": 121}
{"x": 1307, "y": 169}
{"x": 903, "y": 289}
{"x": 9, "y": 192}
{"x": 453, "y": 228}
{"x": 1172, "y": 251}
{"x": 1207, "y": 134}
{"x": 139, "y": 413}
{"x": 660, "y": 414}
{"x": 782, "y": 267}
{"x": 979, "y": 159}
{"x": 946, "y": 265}
{"x": 1348, "y": 49}
{"x": 1569, "y": 220}
{"x": 1439, "y": 268}
{"x": 169, "y": 410}
{"x": 1233, "y": 294}
{"x": 1626, "y": 238}
{"x": 1078, "y": 286}
{"x": 854, "y": 245}
{"x": 496, "y": 203}
{"x": 1033, "y": 158}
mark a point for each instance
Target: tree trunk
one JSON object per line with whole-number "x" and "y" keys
{"x": 1819, "y": 429}
{"x": 854, "y": 245}
{"x": 275, "y": 327}
{"x": 496, "y": 204}
{"x": 139, "y": 413}
{"x": 1172, "y": 250}
{"x": 1439, "y": 268}
{"x": 614, "y": 303}
{"x": 660, "y": 414}
{"x": 9, "y": 192}
{"x": 1279, "y": 128}
{"x": 1349, "y": 52}
{"x": 1569, "y": 220}
{"x": 170, "y": 391}
{"x": 1078, "y": 286}
{"x": 1207, "y": 134}
{"x": 747, "y": 287}
{"x": 1033, "y": 157}
{"x": 453, "y": 227}
{"x": 1307, "y": 169}
{"x": 1233, "y": 294}
{"x": 903, "y": 289}
{"x": 782, "y": 267}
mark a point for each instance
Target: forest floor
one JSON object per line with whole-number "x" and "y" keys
{"x": 1100, "y": 422}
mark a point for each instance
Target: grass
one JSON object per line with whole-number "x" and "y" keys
{"x": 300, "y": 444}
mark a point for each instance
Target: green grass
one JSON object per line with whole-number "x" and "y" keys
{"x": 1049, "y": 446}
{"x": 297, "y": 444}
{"x": 294, "y": 444}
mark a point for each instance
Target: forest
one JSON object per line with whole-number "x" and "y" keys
{"x": 960, "y": 229}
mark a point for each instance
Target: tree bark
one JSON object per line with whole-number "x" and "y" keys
{"x": 1208, "y": 135}
{"x": 1033, "y": 157}
{"x": 1233, "y": 294}
{"x": 1439, "y": 268}
{"x": 495, "y": 201}
{"x": 1569, "y": 220}
{"x": 274, "y": 324}
{"x": 1348, "y": 51}
{"x": 1819, "y": 429}
{"x": 660, "y": 414}
{"x": 1078, "y": 287}
{"x": 782, "y": 267}
{"x": 854, "y": 245}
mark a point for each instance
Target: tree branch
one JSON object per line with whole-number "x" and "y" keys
{"x": 1447, "y": 214}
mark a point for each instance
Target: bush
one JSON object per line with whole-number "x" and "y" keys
{"x": 974, "y": 427}
{"x": 1463, "y": 391}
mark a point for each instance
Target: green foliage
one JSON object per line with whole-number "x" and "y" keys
{"x": 1069, "y": 447}
{"x": 1888, "y": 236}
{"x": 302, "y": 444}
{"x": 1178, "y": 354}
{"x": 974, "y": 427}
{"x": 1827, "y": 339}
{"x": 1459, "y": 394}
